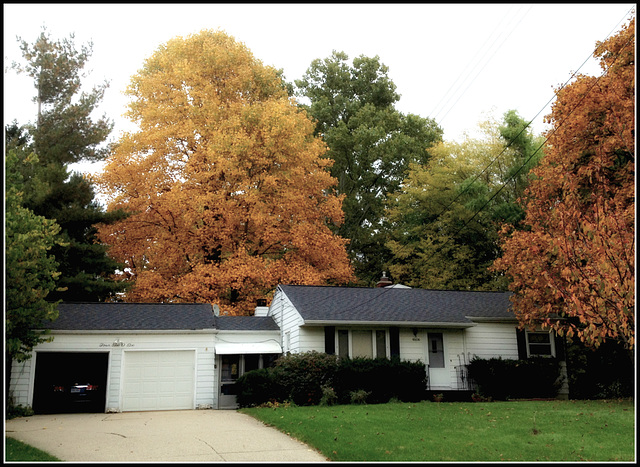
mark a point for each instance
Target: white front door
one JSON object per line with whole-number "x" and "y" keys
{"x": 158, "y": 380}
{"x": 439, "y": 373}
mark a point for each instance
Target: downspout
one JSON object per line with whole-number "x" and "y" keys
{"x": 281, "y": 317}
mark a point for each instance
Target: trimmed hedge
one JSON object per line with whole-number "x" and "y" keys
{"x": 307, "y": 379}
{"x": 516, "y": 379}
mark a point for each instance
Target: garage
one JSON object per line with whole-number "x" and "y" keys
{"x": 158, "y": 380}
{"x": 114, "y": 357}
{"x": 67, "y": 382}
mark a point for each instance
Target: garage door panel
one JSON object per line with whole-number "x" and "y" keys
{"x": 159, "y": 380}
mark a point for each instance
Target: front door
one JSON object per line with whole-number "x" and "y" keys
{"x": 438, "y": 371}
{"x": 230, "y": 365}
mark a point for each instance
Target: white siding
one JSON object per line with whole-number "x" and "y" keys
{"x": 21, "y": 381}
{"x": 23, "y": 374}
{"x": 410, "y": 349}
{"x": 311, "y": 338}
{"x": 289, "y": 320}
{"x": 492, "y": 340}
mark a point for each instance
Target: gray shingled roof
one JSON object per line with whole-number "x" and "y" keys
{"x": 152, "y": 317}
{"x": 132, "y": 317}
{"x": 382, "y": 305}
{"x": 246, "y": 323}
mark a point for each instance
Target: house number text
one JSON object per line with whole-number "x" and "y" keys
{"x": 116, "y": 343}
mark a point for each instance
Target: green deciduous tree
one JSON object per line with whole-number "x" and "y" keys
{"x": 371, "y": 144}
{"x": 30, "y": 269}
{"x": 444, "y": 220}
{"x": 65, "y": 133}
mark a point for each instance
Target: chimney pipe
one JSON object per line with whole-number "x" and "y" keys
{"x": 384, "y": 280}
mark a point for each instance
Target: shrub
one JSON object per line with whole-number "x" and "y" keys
{"x": 409, "y": 380}
{"x": 15, "y": 411}
{"x": 359, "y": 397}
{"x": 302, "y": 376}
{"x": 257, "y": 387}
{"x": 329, "y": 396}
{"x": 314, "y": 378}
{"x": 603, "y": 373}
{"x": 503, "y": 379}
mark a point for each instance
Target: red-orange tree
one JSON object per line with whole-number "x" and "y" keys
{"x": 225, "y": 181}
{"x": 572, "y": 264}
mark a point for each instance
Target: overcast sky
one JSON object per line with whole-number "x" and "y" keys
{"x": 456, "y": 63}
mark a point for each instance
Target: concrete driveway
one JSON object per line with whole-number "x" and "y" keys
{"x": 171, "y": 436}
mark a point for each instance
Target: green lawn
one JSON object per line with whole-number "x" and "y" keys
{"x": 17, "y": 451}
{"x": 492, "y": 431}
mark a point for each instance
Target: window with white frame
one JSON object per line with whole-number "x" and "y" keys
{"x": 371, "y": 343}
{"x": 540, "y": 344}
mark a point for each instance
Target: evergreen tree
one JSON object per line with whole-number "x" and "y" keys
{"x": 65, "y": 133}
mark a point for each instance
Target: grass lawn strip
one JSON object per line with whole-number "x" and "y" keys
{"x": 17, "y": 451}
{"x": 496, "y": 431}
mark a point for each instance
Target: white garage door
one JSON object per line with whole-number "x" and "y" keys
{"x": 158, "y": 380}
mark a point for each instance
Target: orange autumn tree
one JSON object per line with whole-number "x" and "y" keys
{"x": 225, "y": 182}
{"x": 572, "y": 263}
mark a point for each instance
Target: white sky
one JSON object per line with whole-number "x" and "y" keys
{"x": 456, "y": 63}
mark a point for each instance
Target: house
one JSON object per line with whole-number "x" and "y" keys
{"x": 144, "y": 356}
{"x": 443, "y": 329}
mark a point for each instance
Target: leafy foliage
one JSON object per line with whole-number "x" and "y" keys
{"x": 514, "y": 379}
{"x": 316, "y": 378}
{"x": 444, "y": 220}
{"x": 31, "y": 271}
{"x": 371, "y": 144}
{"x": 225, "y": 182}
{"x": 572, "y": 264}
{"x": 607, "y": 372}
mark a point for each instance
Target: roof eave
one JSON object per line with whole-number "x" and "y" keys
{"x": 130, "y": 331}
{"x": 431, "y": 324}
{"x": 492, "y": 319}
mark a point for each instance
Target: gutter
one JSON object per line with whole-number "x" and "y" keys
{"x": 483, "y": 319}
{"x": 132, "y": 331}
{"x": 422, "y": 324}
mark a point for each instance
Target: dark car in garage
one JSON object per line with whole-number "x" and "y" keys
{"x": 70, "y": 382}
{"x": 77, "y": 392}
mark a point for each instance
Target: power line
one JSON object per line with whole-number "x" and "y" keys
{"x": 509, "y": 143}
{"x": 497, "y": 157}
{"x": 483, "y": 67}
{"x": 525, "y": 163}
{"x": 433, "y": 114}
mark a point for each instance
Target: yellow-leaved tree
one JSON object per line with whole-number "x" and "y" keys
{"x": 226, "y": 185}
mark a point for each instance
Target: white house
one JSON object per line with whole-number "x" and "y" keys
{"x": 443, "y": 329}
{"x": 143, "y": 356}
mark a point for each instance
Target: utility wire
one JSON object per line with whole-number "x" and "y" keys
{"x": 497, "y": 157}
{"x": 519, "y": 169}
{"x": 435, "y": 114}
{"x": 597, "y": 80}
{"x": 509, "y": 143}
{"x": 483, "y": 67}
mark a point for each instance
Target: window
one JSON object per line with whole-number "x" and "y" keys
{"x": 251, "y": 362}
{"x": 436, "y": 350}
{"x": 362, "y": 343}
{"x": 343, "y": 343}
{"x": 540, "y": 344}
{"x": 381, "y": 344}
